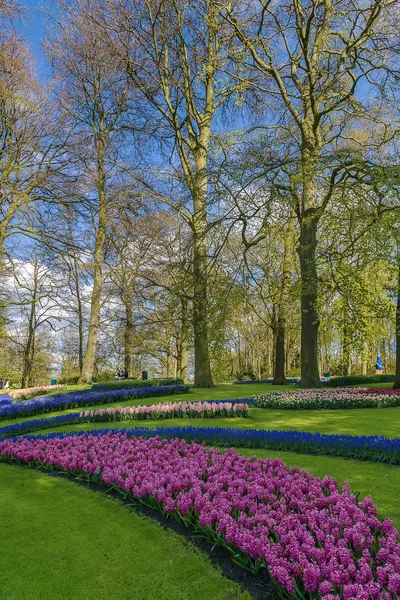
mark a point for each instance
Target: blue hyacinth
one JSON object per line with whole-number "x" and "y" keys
{"x": 83, "y": 399}
{"x": 373, "y": 448}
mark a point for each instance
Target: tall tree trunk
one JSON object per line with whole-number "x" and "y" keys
{"x": 308, "y": 268}
{"x": 128, "y": 332}
{"x": 90, "y": 355}
{"x": 202, "y": 369}
{"x": 396, "y": 384}
{"x": 31, "y": 374}
{"x": 80, "y": 315}
{"x": 170, "y": 360}
{"x": 364, "y": 353}
{"x": 346, "y": 348}
{"x": 279, "y": 372}
{"x": 29, "y": 347}
{"x": 27, "y": 355}
{"x": 183, "y": 352}
{"x": 309, "y": 316}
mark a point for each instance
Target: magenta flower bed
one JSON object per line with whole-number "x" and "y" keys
{"x": 168, "y": 410}
{"x": 316, "y": 540}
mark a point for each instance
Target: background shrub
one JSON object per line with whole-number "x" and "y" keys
{"x": 136, "y": 383}
{"x": 356, "y": 379}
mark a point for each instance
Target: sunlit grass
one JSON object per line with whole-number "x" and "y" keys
{"x": 61, "y": 541}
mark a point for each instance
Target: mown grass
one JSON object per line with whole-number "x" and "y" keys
{"x": 367, "y": 421}
{"x": 61, "y": 541}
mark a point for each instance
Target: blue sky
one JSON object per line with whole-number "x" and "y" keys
{"x": 32, "y": 30}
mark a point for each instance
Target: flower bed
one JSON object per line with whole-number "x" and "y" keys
{"x": 173, "y": 410}
{"x": 5, "y": 400}
{"x": 369, "y": 448}
{"x": 27, "y": 393}
{"x": 72, "y": 400}
{"x": 381, "y": 391}
{"x": 131, "y": 413}
{"x": 328, "y": 399}
{"x": 317, "y": 540}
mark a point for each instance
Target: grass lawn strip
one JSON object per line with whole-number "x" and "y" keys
{"x": 61, "y": 541}
{"x": 373, "y": 421}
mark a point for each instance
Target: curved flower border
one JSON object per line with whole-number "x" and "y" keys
{"x": 77, "y": 400}
{"x": 340, "y": 398}
{"x": 316, "y": 540}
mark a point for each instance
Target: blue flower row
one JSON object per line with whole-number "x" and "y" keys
{"x": 57, "y": 402}
{"x": 74, "y": 418}
{"x": 371, "y": 448}
{"x": 5, "y": 400}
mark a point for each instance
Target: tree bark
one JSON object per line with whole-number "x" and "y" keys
{"x": 279, "y": 371}
{"x": 202, "y": 368}
{"x": 308, "y": 267}
{"x": 29, "y": 347}
{"x": 128, "y": 332}
{"x": 27, "y": 356}
{"x": 183, "y": 352}
{"x": 396, "y": 384}
{"x": 346, "y": 351}
{"x": 170, "y": 360}
{"x": 90, "y": 355}
{"x": 309, "y": 316}
{"x": 80, "y": 315}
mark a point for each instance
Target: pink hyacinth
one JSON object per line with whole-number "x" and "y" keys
{"x": 308, "y": 531}
{"x": 170, "y": 409}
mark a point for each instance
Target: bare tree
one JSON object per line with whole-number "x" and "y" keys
{"x": 175, "y": 54}
{"x": 31, "y": 148}
{"x": 93, "y": 94}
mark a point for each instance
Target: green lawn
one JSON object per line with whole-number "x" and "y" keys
{"x": 368, "y": 421}
{"x": 61, "y": 541}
